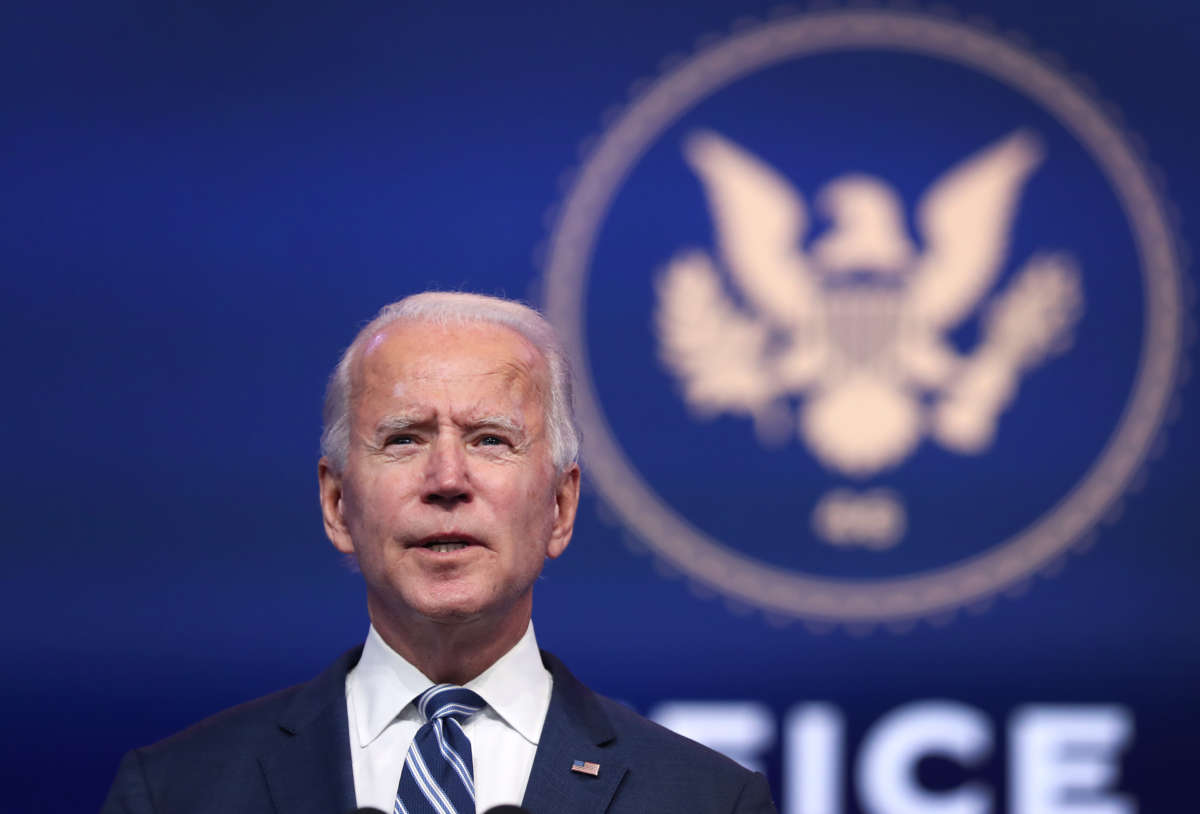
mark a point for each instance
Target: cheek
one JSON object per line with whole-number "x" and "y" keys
{"x": 369, "y": 506}
{"x": 538, "y": 514}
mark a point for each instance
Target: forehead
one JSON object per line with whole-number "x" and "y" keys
{"x": 410, "y": 352}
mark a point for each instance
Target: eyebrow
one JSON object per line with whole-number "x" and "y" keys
{"x": 407, "y": 421}
{"x": 400, "y": 423}
{"x": 500, "y": 422}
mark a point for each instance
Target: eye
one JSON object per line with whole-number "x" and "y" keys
{"x": 490, "y": 440}
{"x": 399, "y": 440}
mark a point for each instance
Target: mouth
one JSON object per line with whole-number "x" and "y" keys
{"x": 446, "y": 543}
{"x": 444, "y": 548}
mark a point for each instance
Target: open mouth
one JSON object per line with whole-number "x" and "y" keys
{"x": 446, "y": 544}
{"x": 445, "y": 547}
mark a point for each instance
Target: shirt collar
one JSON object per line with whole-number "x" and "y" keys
{"x": 383, "y": 686}
{"x": 517, "y": 687}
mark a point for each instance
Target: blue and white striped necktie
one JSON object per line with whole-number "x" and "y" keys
{"x": 438, "y": 776}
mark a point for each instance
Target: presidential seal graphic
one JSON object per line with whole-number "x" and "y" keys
{"x": 875, "y": 314}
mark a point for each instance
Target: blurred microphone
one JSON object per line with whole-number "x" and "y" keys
{"x": 366, "y": 810}
{"x": 507, "y": 809}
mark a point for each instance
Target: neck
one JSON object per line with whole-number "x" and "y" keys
{"x": 452, "y": 651}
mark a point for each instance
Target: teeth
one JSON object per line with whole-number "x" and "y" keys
{"x": 442, "y": 548}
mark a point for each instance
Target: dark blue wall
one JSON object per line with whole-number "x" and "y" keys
{"x": 201, "y": 204}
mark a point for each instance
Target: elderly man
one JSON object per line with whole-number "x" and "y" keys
{"x": 449, "y": 473}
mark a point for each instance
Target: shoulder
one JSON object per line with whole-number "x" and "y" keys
{"x": 668, "y": 772}
{"x": 215, "y": 763}
{"x": 214, "y": 757}
{"x": 604, "y": 720}
{"x": 642, "y": 734}
{"x": 664, "y": 771}
{"x": 244, "y": 726}
{"x": 264, "y": 720}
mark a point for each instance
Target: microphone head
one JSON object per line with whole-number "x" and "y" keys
{"x": 366, "y": 810}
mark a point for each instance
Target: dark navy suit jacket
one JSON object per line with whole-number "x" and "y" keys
{"x": 289, "y": 753}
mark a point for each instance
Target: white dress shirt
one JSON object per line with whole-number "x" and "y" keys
{"x": 504, "y": 735}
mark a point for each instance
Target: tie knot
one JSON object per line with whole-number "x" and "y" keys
{"x": 448, "y": 701}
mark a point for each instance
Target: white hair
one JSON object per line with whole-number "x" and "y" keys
{"x": 456, "y": 308}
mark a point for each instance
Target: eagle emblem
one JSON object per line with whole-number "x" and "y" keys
{"x": 842, "y": 337}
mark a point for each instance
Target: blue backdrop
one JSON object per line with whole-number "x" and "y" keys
{"x": 201, "y": 203}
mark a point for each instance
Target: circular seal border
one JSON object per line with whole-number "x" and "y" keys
{"x": 926, "y": 593}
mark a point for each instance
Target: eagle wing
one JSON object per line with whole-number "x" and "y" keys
{"x": 759, "y": 221}
{"x": 714, "y": 348}
{"x": 965, "y": 220}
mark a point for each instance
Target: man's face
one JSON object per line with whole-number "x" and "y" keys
{"x": 449, "y": 498}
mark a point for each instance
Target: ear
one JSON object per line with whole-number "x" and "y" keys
{"x": 566, "y": 502}
{"x": 330, "y": 484}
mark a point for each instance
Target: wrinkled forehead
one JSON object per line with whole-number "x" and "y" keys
{"x": 409, "y": 352}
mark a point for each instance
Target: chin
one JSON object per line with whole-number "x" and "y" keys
{"x": 454, "y": 608}
{"x": 459, "y": 607}
{"x": 451, "y": 613}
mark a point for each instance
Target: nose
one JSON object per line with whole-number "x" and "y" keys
{"x": 447, "y": 481}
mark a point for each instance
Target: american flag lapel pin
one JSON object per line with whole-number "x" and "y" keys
{"x": 586, "y": 767}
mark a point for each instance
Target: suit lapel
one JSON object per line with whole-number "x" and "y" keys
{"x": 309, "y": 772}
{"x": 576, "y": 728}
